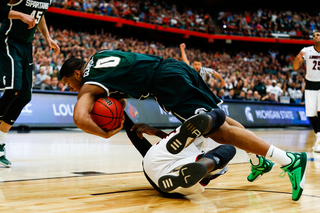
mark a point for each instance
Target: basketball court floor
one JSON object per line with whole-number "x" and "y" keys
{"x": 72, "y": 171}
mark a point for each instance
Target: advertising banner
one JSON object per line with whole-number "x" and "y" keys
{"x": 56, "y": 110}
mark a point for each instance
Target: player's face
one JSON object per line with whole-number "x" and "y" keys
{"x": 73, "y": 84}
{"x": 316, "y": 37}
{"x": 197, "y": 65}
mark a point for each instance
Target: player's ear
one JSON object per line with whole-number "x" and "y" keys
{"x": 77, "y": 74}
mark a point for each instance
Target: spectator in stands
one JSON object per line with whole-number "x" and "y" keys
{"x": 249, "y": 95}
{"x": 241, "y": 96}
{"x": 221, "y": 94}
{"x": 87, "y": 7}
{"x": 54, "y": 84}
{"x": 271, "y": 97}
{"x": 295, "y": 92}
{"x": 46, "y": 83}
{"x": 256, "y": 96}
{"x": 260, "y": 87}
{"x": 230, "y": 94}
{"x": 238, "y": 88}
{"x": 273, "y": 88}
{"x": 41, "y": 76}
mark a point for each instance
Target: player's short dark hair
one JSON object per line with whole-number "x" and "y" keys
{"x": 70, "y": 65}
{"x": 317, "y": 31}
{"x": 197, "y": 59}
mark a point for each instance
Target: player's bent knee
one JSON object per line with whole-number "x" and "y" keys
{"x": 218, "y": 118}
{"x": 15, "y": 110}
{"x": 225, "y": 153}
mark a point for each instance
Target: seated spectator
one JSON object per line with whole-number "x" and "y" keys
{"x": 271, "y": 98}
{"x": 46, "y": 83}
{"x": 241, "y": 96}
{"x": 230, "y": 94}
{"x": 256, "y": 96}
{"x": 273, "y": 88}
{"x": 260, "y": 87}
{"x": 249, "y": 95}
{"x": 295, "y": 91}
{"x": 41, "y": 76}
{"x": 34, "y": 86}
{"x": 221, "y": 94}
{"x": 54, "y": 84}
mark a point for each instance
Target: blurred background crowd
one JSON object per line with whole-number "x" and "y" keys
{"x": 248, "y": 75}
{"x": 255, "y": 75}
{"x": 248, "y": 22}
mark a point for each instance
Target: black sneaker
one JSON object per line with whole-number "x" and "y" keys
{"x": 189, "y": 175}
{"x": 192, "y": 128}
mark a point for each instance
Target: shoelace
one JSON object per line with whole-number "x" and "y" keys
{"x": 282, "y": 174}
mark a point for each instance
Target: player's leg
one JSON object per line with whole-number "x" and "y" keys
{"x": 312, "y": 104}
{"x": 292, "y": 163}
{"x": 216, "y": 161}
{"x": 18, "y": 89}
{"x": 10, "y": 81}
{"x": 194, "y": 127}
{"x": 259, "y": 164}
{"x": 194, "y": 94}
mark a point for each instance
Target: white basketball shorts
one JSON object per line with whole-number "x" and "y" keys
{"x": 159, "y": 162}
{"x": 312, "y": 102}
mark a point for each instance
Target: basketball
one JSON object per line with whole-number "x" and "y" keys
{"x": 107, "y": 113}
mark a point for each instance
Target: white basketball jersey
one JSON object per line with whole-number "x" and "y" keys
{"x": 312, "y": 58}
{"x": 206, "y": 73}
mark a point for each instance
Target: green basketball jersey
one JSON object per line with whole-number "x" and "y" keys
{"x": 122, "y": 72}
{"x": 17, "y": 29}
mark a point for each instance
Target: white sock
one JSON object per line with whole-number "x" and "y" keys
{"x": 2, "y": 137}
{"x": 277, "y": 155}
{"x": 255, "y": 160}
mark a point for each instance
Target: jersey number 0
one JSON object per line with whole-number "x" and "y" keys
{"x": 106, "y": 62}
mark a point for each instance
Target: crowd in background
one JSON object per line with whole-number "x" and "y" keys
{"x": 259, "y": 22}
{"x": 256, "y": 76}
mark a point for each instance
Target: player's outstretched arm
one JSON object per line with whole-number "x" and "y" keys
{"x": 81, "y": 115}
{"x": 298, "y": 61}
{"x": 217, "y": 75}
{"x": 144, "y": 128}
{"x": 183, "y": 53}
{"x": 42, "y": 26}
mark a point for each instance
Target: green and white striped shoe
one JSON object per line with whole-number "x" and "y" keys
{"x": 3, "y": 160}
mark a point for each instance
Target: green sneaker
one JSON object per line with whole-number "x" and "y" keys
{"x": 3, "y": 160}
{"x": 264, "y": 166}
{"x": 297, "y": 173}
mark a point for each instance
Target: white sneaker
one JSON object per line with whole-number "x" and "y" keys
{"x": 316, "y": 147}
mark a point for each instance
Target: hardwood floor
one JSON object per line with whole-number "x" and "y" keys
{"x": 71, "y": 171}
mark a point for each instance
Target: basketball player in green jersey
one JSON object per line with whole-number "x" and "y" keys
{"x": 21, "y": 19}
{"x": 179, "y": 89}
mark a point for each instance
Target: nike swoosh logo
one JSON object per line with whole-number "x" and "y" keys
{"x": 30, "y": 64}
{"x": 272, "y": 153}
{"x": 295, "y": 185}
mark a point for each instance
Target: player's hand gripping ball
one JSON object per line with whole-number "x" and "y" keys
{"x": 107, "y": 113}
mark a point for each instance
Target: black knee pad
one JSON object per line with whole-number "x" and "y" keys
{"x": 218, "y": 118}
{"x": 8, "y": 97}
{"x": 14, "y": 110}
{"x": 224, "y": 153}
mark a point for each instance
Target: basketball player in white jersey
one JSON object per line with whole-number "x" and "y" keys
{"x": 184, "y": 173}
{"x": 311, "y": 55}
{"x": 205, "y": 72}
